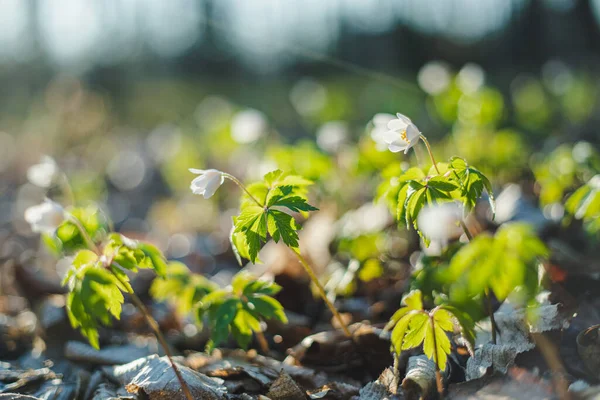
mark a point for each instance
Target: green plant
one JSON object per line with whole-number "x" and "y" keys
{"x": 584, "y": 204}
{"x": 412, "y": 325}
{"x": 267, "y": 209}
{"x": 237, "y": 309}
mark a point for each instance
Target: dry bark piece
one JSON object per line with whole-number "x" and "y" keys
{"x": 153, "y": 377}
{"x": 514, "y": 328}
{"x": 16, "y": 396}
{"x": 384, "y": 388}
{"x": 285, "y": 388}
{"x": 14, "y": 380}
{"x": 588, "y": 347}
{"x": 420, "y": 377}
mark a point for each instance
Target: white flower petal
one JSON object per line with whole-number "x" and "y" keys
{"x": 391, "y": 136}
{"x": 412, "y": 133}
{"x": 397, "y": 125}
{"x": 207, "y": 182}
{"x": 404, "y": 118}
{"x": 396, "y": 147}
{"x": 196, "y": 171}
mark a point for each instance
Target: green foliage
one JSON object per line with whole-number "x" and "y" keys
{"x": 411, "y": 190}
{"x": 68, "y": 239}
{"x": 472, "y": 184}
{"x": 278, "y": 191}
{"x": 181, "y": 287}
{"x": 96, "y": 281}
{"x": 501, "y": 263}
{"x": 94, "y": 295}
{"x": 565, "y": 168}
{"x": 584, "y": 204}
{"x": 239, "y": 309}
{"x": 413, "y": 326}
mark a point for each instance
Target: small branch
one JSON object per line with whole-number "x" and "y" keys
{"x": 430, "y": 153}
{"x": 161, "y": 339}
{"x": 323, "y": 294}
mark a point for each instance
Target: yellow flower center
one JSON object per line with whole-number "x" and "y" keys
{"x": 404, "y": 137}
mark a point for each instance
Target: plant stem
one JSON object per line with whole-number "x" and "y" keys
{"x": 438, "y": 375}
{"x": 488, "y": 297}
{"x": 262, "y": 342}
{"x": 430, "y": 153}
{"x": 490, "y": 311}
{"x": 65, "y": 187}
{"x": 323, "y": 295}
{"x": 161, "y": 339}
{"x": 241, "y": 186}
{"x": 86, "y": 237}
{"x": 552, "y": 357}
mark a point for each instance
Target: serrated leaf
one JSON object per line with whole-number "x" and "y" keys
{"x": 267, "y": 307}
{"x": 472, "y": 183}
{"x": 417, "y": 329}
{"x": 401, "y": 328}
{"x": 261, "y": 286}
{"x": 282, "y": 226}
{"x": 413, "y": 300}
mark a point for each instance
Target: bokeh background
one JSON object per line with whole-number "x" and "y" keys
{"x": 127, "y": 95}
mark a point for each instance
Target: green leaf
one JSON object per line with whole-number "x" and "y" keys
{"x": 503, "y": 262}
{"x": 181, "y": 287}
{"x": 417, "y": 328}
{"x": 413, "y": 300}
{"x": 261, "y": 286}
{"x": 159, "y": 264}
{"x": 401, "y": 327}
{"x": 584, "y": 204}
{"x": 93, "y": 299}
{"x": 472, "y": 183}
{"x": 436, "y": 345}
{"x": 224, "y": 315}
{"x": 267, "y": 307}
{"x": 282, "y": 226}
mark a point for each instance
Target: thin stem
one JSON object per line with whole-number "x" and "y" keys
{"x": 438, "y": 375}
{"x": 487, "y": 295}
{"x": 86, "y": 237}
{"x": 490, "y": 311}
{"x": 552, "y": 357}
{"x": 241, "y": 186}
{"x": 465, "y": 229}
{"x": 262, "y": 342}
{"x": 323, "y": 295}
{"x": 161, "y": 339}
{"x": 430, "y": 153}
{"x": 65, "y": 187}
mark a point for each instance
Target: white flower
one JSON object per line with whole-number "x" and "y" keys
{"x": 440, "y": 221}
{"x": 207, "y": 182}
{"x": 45, "y": 217}
{"x": 402, "y": 134}
{"x": 44, "y": 173}
{"x": 380, "y": 122}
